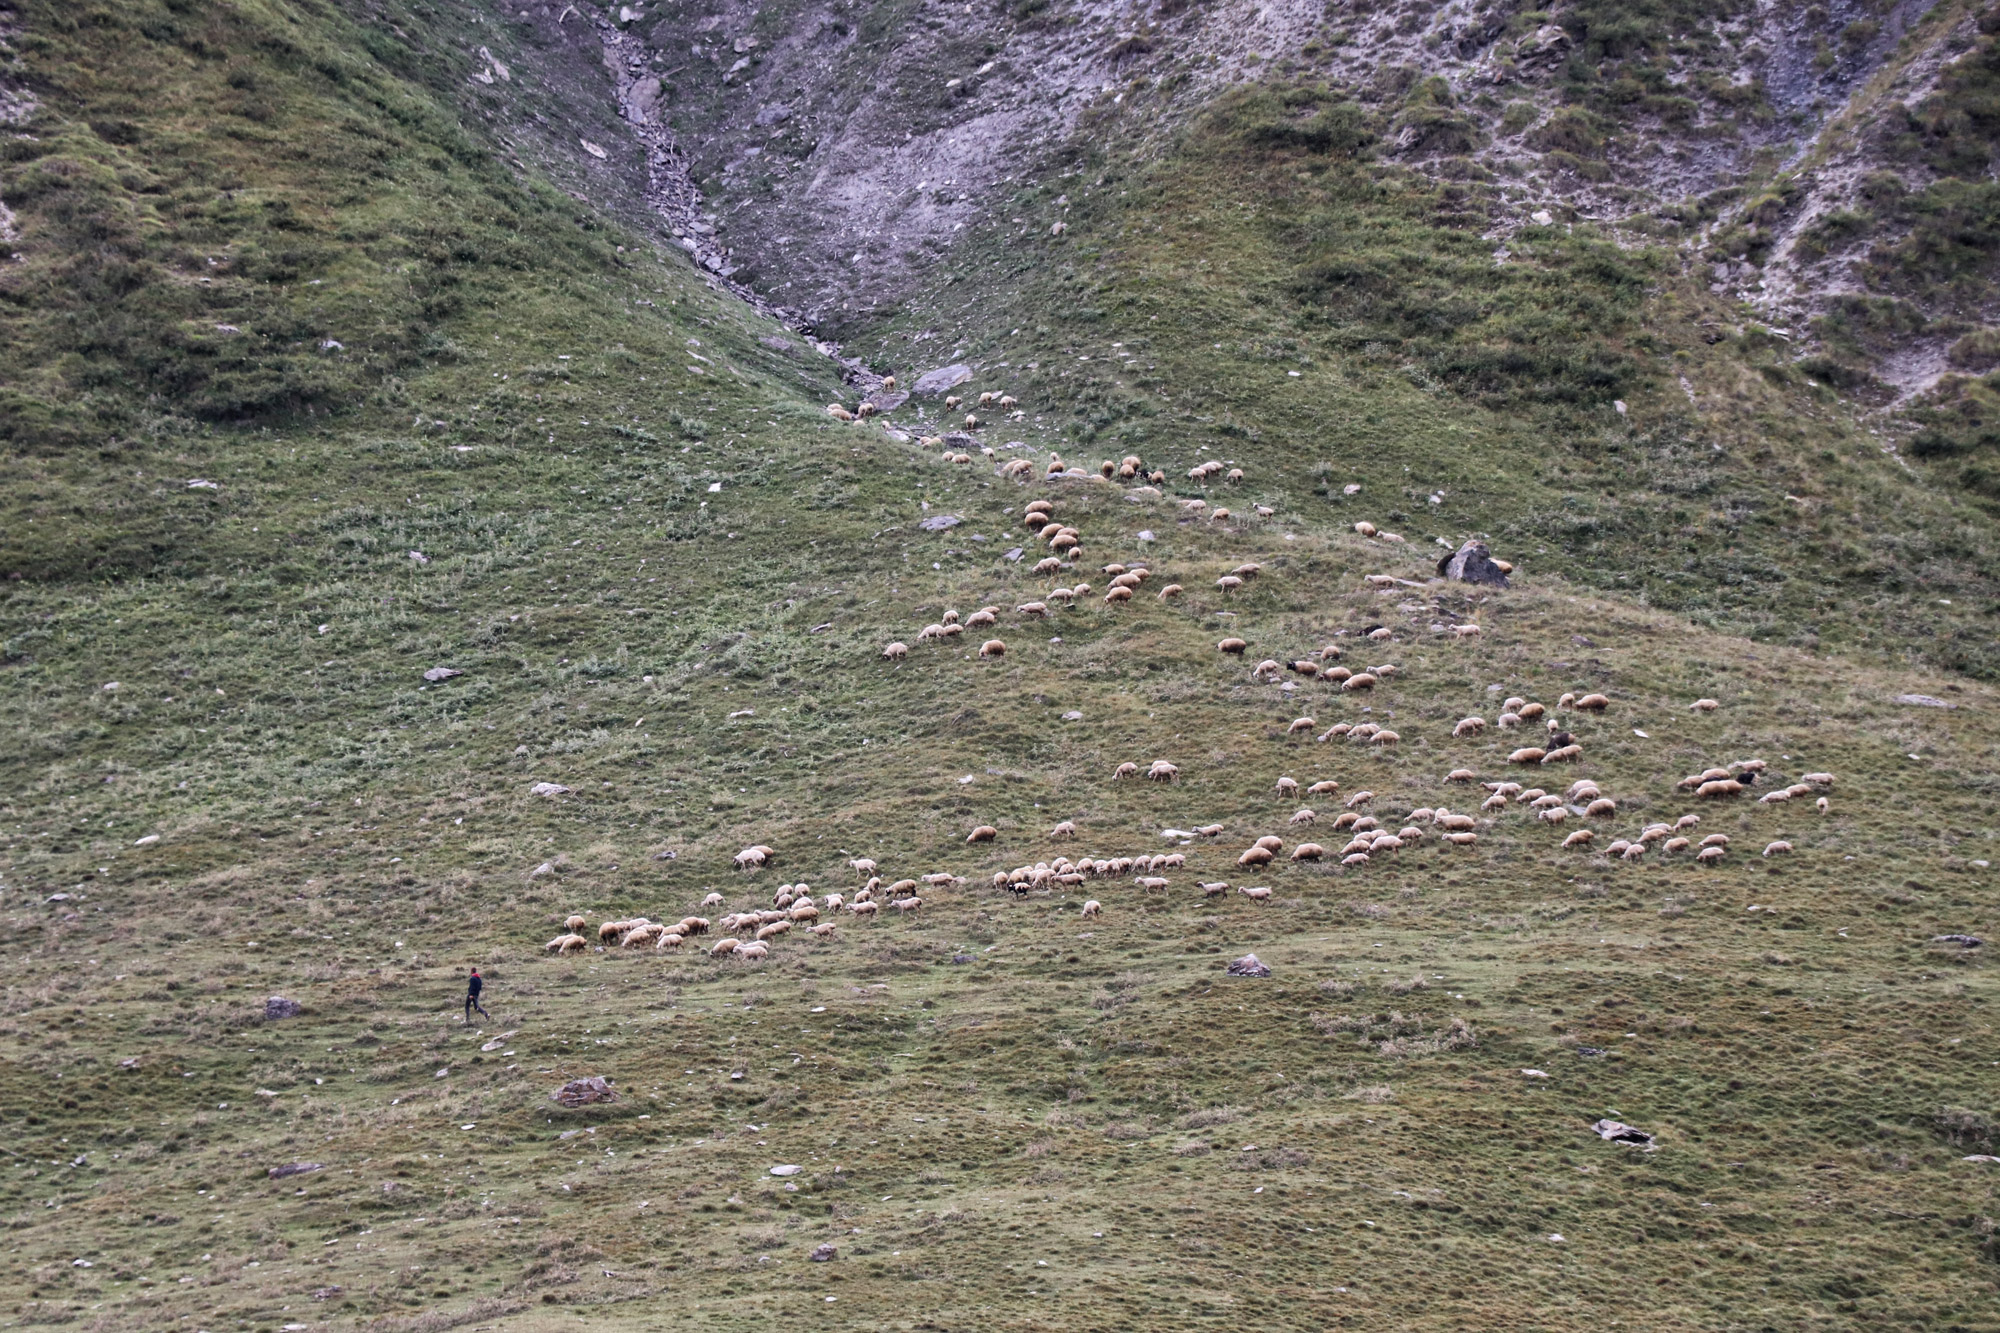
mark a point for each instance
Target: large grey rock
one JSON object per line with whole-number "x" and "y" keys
{"x": 584, "y": 1091}
{"x": 643, "y": 101}
{"x": 940, "y": 523}
{"x": 888, "y": 402}
{"x": 436, "y": 674}
{"x": 1472, "y": 563}
{"x": 1249, "y": 965}
{"x": 279, "y": 1007}
{"x": 293, "y": 1169}
{"x": 775, "y": 114}
{"x": 942, "y": 380}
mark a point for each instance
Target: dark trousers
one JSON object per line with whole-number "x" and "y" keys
{"x": 471, "y": 1003}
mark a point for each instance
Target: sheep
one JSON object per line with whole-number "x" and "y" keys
{"x": 723, "y": 946}
{"x": 1232, "y": 646}
{"x": 1384, "y": 738}
{"x": 1554, "y": 815}
{"x": 1006, "y": 402}
{"x": 804, "y": 912}
{"x": 1229, "y": 583}
{"x": 864, "y": 410}
{"x": 611, "y": 930}
{"x": 1255, "y": 856}
{"x": 1461, "y": 839}
{"x": 930, "y": 632}
{"x": 1118, "y": 595}
{"x": 1817, "y": 779}
{"x": 1503, "y": 788}
{"x": 1716, "y": 840}
{"x": 941, "y": 879}
{"x": 1749, "y": 766}
{"x": 1652, "y": 833}
{"x": 1034, "y": 609}
{"x": 863, "y": 908}
{"x": 669, "y": 939}
{"x": 1047, "y": 565}
{"x": 1064, "y": 595}
{"x": 754, "y": 950}
{"x": 1455, "y": 823}
{"x": 752, "y": 858}
{"x": 1674, "y": 845}
{"x": 993, "y": 648}
{"x": 1823, "y": 804}
{"x": 641, "y": 935}
{"x": 984, "y": 833}
{"x": 567, "y": 944}
{"x": 1171, "y": 861}
{"x": 1361, "y": 825}
{"x": 1365, "y": 529}
{"x": 1306, "y": 816}
{"x": 1710, "y": 855}
{"x": 576, "y": 923}
{"x": 1335, "y": 675}
{"x": 1593, "y": 703}
{"x": 1363, "y": 680}
{"x": 1381, "y": 634}
{"x": 1617, "y": 848}
{"x": 1172, "y": 590}
{"x": 1469, "y": 726}
{"x": 972, "y": 422}
{"x": 1719, "y": 788}
{"x": 952, "y": 402}
{"x": 773, "y": 930}
{"x": 1162, "y": 771}
{"x": 1686, "y": 821}
{"x": 1494, "y": 803}
{"x": 1509, "y": 720}
{"x": 1308, "y": 851}
{"x": 1461, "y": 775}
{"x": 907, "y": 905}
{"x": 1150, "y": 882}
{"x": 1093, "y": 907}
{"x": 1539, "y": 799}
{"x": 1633, "y": 851}
{"x": 1600, "y": 807}
{"x": 1705, "y": 705}
{"x": 1563, "y": 754}
{"x": 838, "y": 413}
{"x": 1126, "y": 578}
{"x": 896, "y": 652}
{"x": 1300, "y": 724}
{"x": 1462, "y": 632}
{"x": 826, "y": 930}
{"x": 1777, "y": 848}
{"x": 1580, "y": 838}
{"x": 1209, "y": 831}
{"x": 1125, "y": 770}
{"x": 692, "y": 925}
{"x": 985, "y": 615}
{"x": 1775, "y": 797}
{"x": 1529, "y": 712}
{"x": 1527, "y": 755}
{"x": 1706, "y": 775}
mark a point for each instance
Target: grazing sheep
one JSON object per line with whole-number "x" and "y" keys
{"x": 908, "y": 904}
{"x": 1509, "y": 720}
{"x": 1308, "y": 851}
{"x": 1270, "y": 842}
{"x": 993, "y": 648}
{"x": 1494, "y": 802}
{"x": 1363, "y": 680}
{"x": 1118, "y": 595}
{"x": 567, "y": 944}
{"x": 1470, "y": 726}
{"x": 576, "y": 923}
{"x": 1716, "y": 840}
{"x": 1093, "y": 907}
{"x": 1705, "y": 705}
{"x": 1287, "y": 787}
{"x": 1162, "y": 771}
{"x": 1304, "y": 817}
{"x": 1235, "y": 646}
{"x": 1125, "y": 770}
{"x": 1817, "y": 779}
{"x": 1461, "y": 775}
{"x": 1777, "y": 848}
{"x": 1617, "y": 848}
{"x": 984, "y": 833}
{"x": 1593, "y": 703}
{"x": 1580, "y": 838}
{"x": 1465, "y": 631}
{"x": 1710, "y": 855}
{"x": 985, "y": 615}
{"x": 753, "y": 951}
{"x": 611, "y": 930}
{"x": 804, "y": 912}
{"x": 1529, "y": 712}
{"x": 1673, "y": 845}
{"x": 1150, "y": 882}
{"x": 1603, "y": 805}
{"x": 1048, "y": 565}
{"x": 864, "y": 410}
{"x": 1823, "y": 804}
{"x": 1039, "y": 609}
{"x": 1462, "y": 839}
{"x": 772, "y": 931}
{"x": 752, "y": 858}
{"x": 1719, "y": 788}
{"x": 860, "y": 908}
{"x": 1454, "y": 823}
{"x": 1209, "y": 831}
{"x": 1382, "y": 634}
{"x": 1256, "y": 893}
{"x": 1255, "y": 856}
{"x": 1633, "y": 851}
{"x": 723, "y": 946}
{"x": 1334, "y": 675}
{"x": 1365, "y": 529}
{"x": 896, "y": 652}
{"x": 838, "y": 413}
{"x": 1323, "y": 788}
{"x": 1300, "y": 724}
{"x": 930, "y": 632}
{"x": 692, "y": 925}
{"x": 1360, "y": 798}
{"x": 1527, "y": 755}
{"x": 1775, "y": 797}
{"x": 1686, "y": 821}
{"x": 1554, "y": 815}
{"x": 1384, "y": 737}
{"x": 1563, "y": 754}
{"x": 669, "y": 939}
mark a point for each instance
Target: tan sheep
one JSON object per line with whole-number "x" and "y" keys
{"x": 1461, "y": 775}
{"x": 1257, "y": 893}
{"x": 1125, "y": 770}
{"x": 930, "y": 632}
{"x": 1580, "y": 838}
{"x": 669, "y": 939}
{"x": 1817, "y": 779}
{"x": 611, "y": 930}
{"x": 1162, "y": 771}
{"x": 1381, "y": 634}
{"x": 1674, "y": 845}
{"x": 1093, "y": 907}
{"x": 1715, "y": 840}
{"x": 1777, "y": 848}
{"x": 1365, "y": 529}
{"x": 1461, "y": 839}
{"x": 1465, "y": 631}
{"x": 1719, "y": 788}
{"x": 1384, "y": 738}
{"x": 1454, "y": 823}
{"x": 773, "y": 930}
{"x": 826, "y": 929}
{"x": 1118, "y": 595}
{"x": 1600, "y": 807}
{"x": 1593, "y": 703}
{"x": 907, "y": 905}
{"x": 576, "y": 924}
{"x": 864, "y": 410}
{"x": 753, "y": 951}
{"x": 984, "y": 833}
{"x": 1509, "y": 720}
{"x": 1563, "y": 754}
{"x": 1710, "y": 855}
{"x": 1469, "y": 726}
{"x": 1325, "y": 787}
{"x": 993, "y": 648}
{"x": 896, "y": 652}
{"x": 1047, "y": 565}
{"x": 838, "y": 413}
{"x": 1363, "y": 680}
{"x": 567, "y": 944}
{"x": 1037, "y": 609}
{"x": 1229, "y": 583}
{"x": 863, "y": 908}
{"x": 1255, "y": 856}
{"x": 1686, "y": 821}
{"x": 804, "y": 912}
{"x": 1529, "y": 712}
{"x": 1300, "y": 724}
{"x": 985, "y": 615}
{"x": 1705, "y": 705}
{"x": 1170, "y": 591}
{"x": 723, "y": 946}
{"x": 1304, "y": 817}
{"x": 1334, "y": 675}
{"x": 1823, "y": 804}
{"x": 1308, "y": 851}
{"x": 1527, "y": 755}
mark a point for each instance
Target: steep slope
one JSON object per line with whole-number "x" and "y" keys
{"x": 332, "y": 671}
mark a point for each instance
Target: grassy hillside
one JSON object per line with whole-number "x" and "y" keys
{"x": 601, "y": 493}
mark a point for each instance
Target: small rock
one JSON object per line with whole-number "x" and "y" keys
{"x": 823, "y": 1253}
{"x": 325, "y": 1293}
{"x": 1248, "y": 966}
{"x": 1920, "y": 700}
{"x": 1541, "y": 217}
{"x": 1618, "y": 406}
{"x": 549, "y": 789}
{"x": 932, "y": 383}
{"x": 1980, "y": 1157}
{"x": 665, "y": 856}
{"x": 148, "y": 840}
{"x": 1012, "y": 554}
{"x": 202, "y": 484}
{"x": 786, "y": 1170}
{"x": 1962, "y": 941}
{"x": 1615, "y": 1131}
{"x": 1146, "y": 535}
{"x": 584, "y": 1091}
{"x": 776, "y": 344}
{"x": 1073, "y": 716}
{"x": 1533, "y": 1073}
{"x": 962, "y": 958}
{"x": 593, "y": 149}
{"x": 545, "y": 868}
{"x": 293, "y": 1169}
{"x": 436, "y": 674}
{"x": 418, "y": 557}
{"x": 278, "y": 1007}
{"x": 940, "y": 523}
{"x": 888, "y": 402}
{"x": 774, "y": 114}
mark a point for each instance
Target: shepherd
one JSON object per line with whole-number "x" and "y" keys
{"x": 473, "y": 985}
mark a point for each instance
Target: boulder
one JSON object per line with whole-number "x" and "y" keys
{"x": 943, "y": 380}
{"x": 940, "y": 523}
{"x": 279, "y": 1007}
{"x": 643, "y": 101}
{"x": 822, "y": 1253}
{"x": 584, "y": 1092}
{"x": 888, "y": 402}
{"x": 1248, "y": 966}
{"x": 549, "y": 789}
{"x": 293, "y": 1169}
{"x": 436, "y": 674}
{"x": 1472, "y": 563}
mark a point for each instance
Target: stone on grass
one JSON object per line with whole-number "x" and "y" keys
{"x": 940, "y": 523}
{"x": 1920, "y": 700}
{"x": 1249, "y": 966}
{"x": 549, "y": 789}
{"x": 293, "y": 1169}
{"x": 436, "y": 674}
{"x": 1616, "y": 1131}
{"x": 279, "y": 1007}
{"x": 584, "y": 1092}
{"x": 942, "y": 380}
{"x": 823, "y": 1252}
{"x": 1472, "y": 563}
{"x": 786, "y": 1170}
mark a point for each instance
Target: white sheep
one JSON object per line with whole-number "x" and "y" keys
{"x": 1470, "y": 726}
{"x": 1710, "y": 855}
{"x": 1125, "y": 770}
{"x": 984, "y": 833}
{"x": 1580, "y": 838}
{"x": 1162, "y": 771}
{"x": 1066, "y": 829}
{"x": 1300, "y": 724}
{"x": 1093, "y": 907}
{"x": 1777, "y": 848}
{"x": 1705, "y": 705}
{"x": 1304, "y": 817}
{"x": 993, "y": 648}
{"x": 1256, "y": 893}
{"x": 567, "y": 944}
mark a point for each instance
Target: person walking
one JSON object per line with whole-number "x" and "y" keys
{"x": 473, "y": 985}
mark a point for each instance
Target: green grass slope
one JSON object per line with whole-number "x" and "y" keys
{"x": 667, "y": 577}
